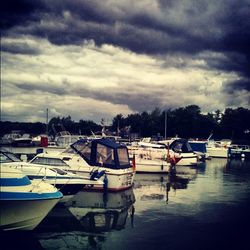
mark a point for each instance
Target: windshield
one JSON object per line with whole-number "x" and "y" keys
{"x": 48, "y": 161}
{"x": 8, "y": 157}
{"x": 123, "y": 156}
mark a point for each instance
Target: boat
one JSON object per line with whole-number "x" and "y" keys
{"x": 200, "y": 148}
{"x": 175, "y": 148}
{"x": 93, "y": 159}
{"x": 219, "y": 148}
{"x": 145, "y": 164}
{"x": 24, "y": 203}
{"x": 180, "y": 148}
{"x": 64, "y": 139}
{"x": 236, "y": 151}
{"x": 24, "y": 141}
{"x": 8, "y": 138}
{"x": 68, "y": 183}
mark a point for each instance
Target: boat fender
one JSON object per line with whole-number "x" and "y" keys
{"x": 99, "y": 175}
{"x": 93, "y": 175}
{"x": 105, "y": 183}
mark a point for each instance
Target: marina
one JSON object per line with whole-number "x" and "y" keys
{"x": 125, "y": 125}
{"x": 198, "y": 207}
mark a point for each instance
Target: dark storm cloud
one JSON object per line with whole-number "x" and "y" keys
{"x": 205, "y": 25}
{"x": 20, "y": 48}
{"x": 19, "y": 12}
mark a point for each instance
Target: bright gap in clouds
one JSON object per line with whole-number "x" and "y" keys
{"x": 90, "y": 82}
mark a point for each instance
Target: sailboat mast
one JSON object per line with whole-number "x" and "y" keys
{"x": 165, "y": 125}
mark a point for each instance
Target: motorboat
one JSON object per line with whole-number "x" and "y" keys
{"x": 8, "y": 138}
{"x": 178, "y": 148}
{"x": 218, "y": 148}
{"x": 24, "y": 203}
{"x": 236, "y": 151}
{"x": 93, "y": 159}
{"x": 64, "y": 139}
{"x": 24, "y": 141}
{"x": 200, "y": 148}
{"x": 145, "y": 164}
{"x": 68, "y": 183}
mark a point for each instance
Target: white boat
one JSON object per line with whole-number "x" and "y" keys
{"x": 93, "y": 159}
{"x": 218, "y": 149}
{"x": 24, "y": 141}
{"x": 144, "y": 164}
{"x": 68, "y": 183}
{"x": 179, "y": 148}
{"x": 7, "y": 139}
{"x": 64, "y": 139}
{"x": 23, "y": 202}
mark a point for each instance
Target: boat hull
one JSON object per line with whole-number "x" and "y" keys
{"x": 218, "y": 152}
{"x": 117, "y": 180}
{"x": 151, "y": 166}
{"x": 24, "y": 214}
{"x": 187, "y": 160}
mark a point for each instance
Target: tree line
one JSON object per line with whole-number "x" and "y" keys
{"x": 185, "y": 122}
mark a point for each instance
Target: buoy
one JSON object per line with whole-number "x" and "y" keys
{"x": 105, "y": 183}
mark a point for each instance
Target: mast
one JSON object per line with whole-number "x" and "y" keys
{"x": 47, "y": 121}
{"x": 166, "y": 116}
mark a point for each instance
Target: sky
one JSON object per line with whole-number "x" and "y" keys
{"x": 94, "y": 59}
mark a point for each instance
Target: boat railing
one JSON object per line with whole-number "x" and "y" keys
{"x": 239, "y": 147}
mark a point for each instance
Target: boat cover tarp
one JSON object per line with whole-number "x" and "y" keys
{"x": 102, "y": 152}
{"x": 181, "y": 145}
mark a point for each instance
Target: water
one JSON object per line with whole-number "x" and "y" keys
{"x": 199, "y": 208}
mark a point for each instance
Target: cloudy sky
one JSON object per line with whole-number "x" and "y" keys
{"x": 94, "y": 59}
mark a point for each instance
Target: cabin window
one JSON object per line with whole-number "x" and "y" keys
{"x": 104, "y": 155}
{"x": 123, "y": 156}
{"x": 49, "y": 161}
{"x": 83, "y": 148}
{"x": 8, "y": 157}
{"x": 4, "y": 158}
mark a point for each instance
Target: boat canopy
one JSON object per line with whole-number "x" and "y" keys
{"x": 103, "y": 152}
{"x": 181, "y": 146}
{"x": 199, "y": 146}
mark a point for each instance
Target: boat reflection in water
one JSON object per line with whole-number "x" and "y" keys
{"x": 84, "y": 220}
{"x": 149, "y": 187}
{"x": 100, "y": 212}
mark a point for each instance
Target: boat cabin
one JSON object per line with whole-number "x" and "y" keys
{"x": 181, "y": 146}
{"x": 103, "y": 152}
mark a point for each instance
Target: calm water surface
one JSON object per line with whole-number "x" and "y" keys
{"x": 198, "y": 208}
